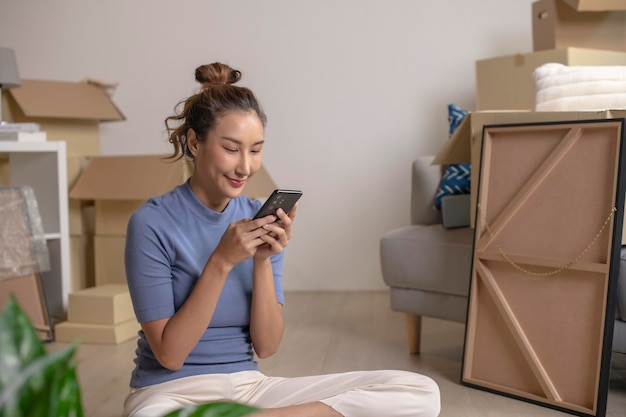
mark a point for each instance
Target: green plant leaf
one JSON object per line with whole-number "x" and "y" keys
{"x": 65, "y": 400}
{"x": 30, "y": 392}
{"x": 19, "y": 343}
{"x": 214, "y": 409}
{"x": 34, "y": 383}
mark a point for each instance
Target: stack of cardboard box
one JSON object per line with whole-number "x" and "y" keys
{"x": 570, "y": 32}
{"x": 104, "y": 191}
{"x": 114, "y": 186}
{"x": 71, "y": 112}
{"x": 117, "y": 186}
{"x": 101, "y": 314}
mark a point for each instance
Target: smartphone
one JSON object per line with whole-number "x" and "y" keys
{"x": 284, "y": 199}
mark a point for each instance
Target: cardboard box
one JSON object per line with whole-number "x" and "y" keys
{"x": 70, "y": 332}
{"x": 28, "y": 292}
{"x": 465, "y": 145}
{"x": 507, "y": 83}
{"x": 69, "y": 111}
{"x": 82, "y": 267}
{"x": 109, "y": 260}
{"x": 104, "y": 304}
{"x": 585, "y": 24}
{"x": 118, "y": 185}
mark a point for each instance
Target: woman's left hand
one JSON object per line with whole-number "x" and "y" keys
{"x": 278, "y": 236}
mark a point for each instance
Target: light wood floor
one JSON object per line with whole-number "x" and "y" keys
{"x": 342, "y": 331}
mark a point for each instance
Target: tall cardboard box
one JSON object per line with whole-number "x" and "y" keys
{"x": 507, "y": 83}
{"x": 465, "y": 145}
{"x": 68, "y": 111}
{"x": 118, "y": 185}
{"x": 595, "y": 24}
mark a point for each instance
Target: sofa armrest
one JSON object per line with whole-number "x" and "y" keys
{"x": 424, "y": 184}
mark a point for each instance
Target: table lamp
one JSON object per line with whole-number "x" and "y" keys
{"x": 9, "y": 76}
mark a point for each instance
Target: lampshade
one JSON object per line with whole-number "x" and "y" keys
{"x": 9, "y": 76}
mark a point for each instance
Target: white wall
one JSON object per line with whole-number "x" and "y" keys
{"x": 353, "y": 89}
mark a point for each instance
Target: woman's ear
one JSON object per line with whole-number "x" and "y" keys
{"x": 192, "y": 141}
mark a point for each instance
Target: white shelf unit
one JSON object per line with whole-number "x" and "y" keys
{"x": 43, "y": 167}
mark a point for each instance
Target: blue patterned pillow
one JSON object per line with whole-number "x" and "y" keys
{"x": 456, "y": 179}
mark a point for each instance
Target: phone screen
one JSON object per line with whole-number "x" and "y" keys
{"x": 284, "y": 199}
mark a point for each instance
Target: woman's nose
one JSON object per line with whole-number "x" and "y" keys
{"x": 243, "y": 168}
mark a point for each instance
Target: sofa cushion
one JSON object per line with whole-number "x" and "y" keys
{"x": 455, "y": 211}
{"x": 456, "y": 178}
{"x": 419, "y": 257}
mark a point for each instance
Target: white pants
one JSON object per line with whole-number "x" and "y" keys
{"x": 352, "y": 394}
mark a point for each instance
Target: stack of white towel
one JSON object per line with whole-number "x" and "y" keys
{"x": 570, "y": 88}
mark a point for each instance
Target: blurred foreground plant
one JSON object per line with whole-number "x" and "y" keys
{"x": 32, "y": 382}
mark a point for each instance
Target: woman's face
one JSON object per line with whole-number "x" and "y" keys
{"x": 226, "y": 160}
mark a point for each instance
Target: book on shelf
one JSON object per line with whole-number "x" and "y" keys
{"x": 16, "y": 136}
{"x": 19, "y": 127}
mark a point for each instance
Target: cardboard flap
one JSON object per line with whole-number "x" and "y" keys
{"x": 128, "y": 177}
{"x": 596, "y": 5}
{"x": 457, "y": 148}
{"x": 65, "y": 100}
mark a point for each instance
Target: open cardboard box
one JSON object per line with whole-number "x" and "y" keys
{"x": 465, "y": 145}
{"x": 507, "y": 83}
{"x": 118, "y": 185}
{"x": 69, "y": 111}
{"x": 599, "y": 24}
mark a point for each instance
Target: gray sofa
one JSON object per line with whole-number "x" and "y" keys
{"x": 427, "y": 267}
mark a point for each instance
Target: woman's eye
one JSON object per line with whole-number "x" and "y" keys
{"x": 231, "y": 150}
{"x": 255, "y": 151}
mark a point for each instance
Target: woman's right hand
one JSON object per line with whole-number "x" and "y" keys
{"x": 241, "y": 239}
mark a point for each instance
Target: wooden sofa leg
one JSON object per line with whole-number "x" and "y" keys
{"x": 413, "y": 332}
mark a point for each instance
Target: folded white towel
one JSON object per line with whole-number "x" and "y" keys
{"x": 560, "y": 87}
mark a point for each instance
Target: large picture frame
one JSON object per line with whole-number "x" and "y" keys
{"x": 544, "y": 269}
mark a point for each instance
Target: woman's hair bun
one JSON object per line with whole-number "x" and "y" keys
{"x": 217, "y": 73}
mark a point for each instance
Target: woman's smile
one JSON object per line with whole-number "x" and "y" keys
{"x": 236, "y": 183}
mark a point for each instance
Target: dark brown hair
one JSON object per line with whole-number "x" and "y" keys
{"x": 201, "y": 111}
